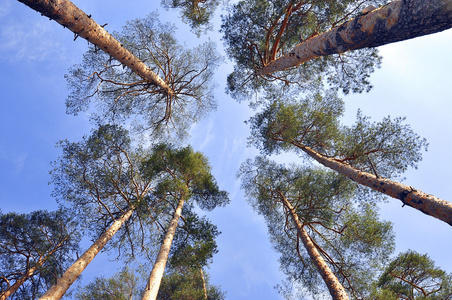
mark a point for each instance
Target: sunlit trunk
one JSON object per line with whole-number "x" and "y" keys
{"x": 73, "y": 272}
{"x": 153, "y": 285}
{"x": 400, "y": 20}
{"x": 428, "y": 204}
{"x": 203, "y": 283}
{"x": 67, "y": 14}
{"x": 336, "y": 289}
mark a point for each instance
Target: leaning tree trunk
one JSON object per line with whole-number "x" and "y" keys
{"x": 428, "y": 204}
{"x": 73, "y": 272}
{"x": 12, "y": 289}
{"x": 336, "y": 289}
{"x": 400, "y": 20}
{"x": 67, "y": 14}
{"x": 153, "y": 285}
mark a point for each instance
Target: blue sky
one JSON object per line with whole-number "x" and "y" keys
{"x": 35, "y": 53}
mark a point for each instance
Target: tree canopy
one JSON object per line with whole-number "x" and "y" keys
{"x": 35, "y": 249}
{"x": 99, "y": 179}
{"x": 122, "y": 95}
{"x": 413, "y": 276}
{"x": 196, "y": 13}
{"x": 257, "y": 32}
{"x": 350, "y": 237}
{"x": 387, "y": 148}
{"x": 136, "y": 188}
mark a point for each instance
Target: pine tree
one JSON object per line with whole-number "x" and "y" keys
{"x": 100, "y": 182}
{"x": 257, "y": 32}
{"x": 35, "y": 248}
{"x": 397, "y": 21}
{"x": 314, "y": 209}
{"x": 185, "y": 177}
{"x": 70, "y": 16}
{"x": 369, "y": 153}
{"x": 413, "y": 276}
{"x": 121, "y": 95}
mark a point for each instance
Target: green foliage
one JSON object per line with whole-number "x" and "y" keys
{"x": 124, "y": 285}
{"x": 122, "y": 95}
{"x": 197, "y": 13}
{"x": 257, "y": 32}
{"x": 98, "y": 179}
{"x": 188, "y": 285}
{"x": 128, "y": 284}
{"x": 46, "y": 240}
{"x": 414, "y": 276}
{"x": 184, "y": 173}
{"x": 351, "y": 238}
{"x": 313, "y": 121}
{"x": 103, "y": 176}
{"x": 388, "y": 147}
{"x": 194, "y": 244}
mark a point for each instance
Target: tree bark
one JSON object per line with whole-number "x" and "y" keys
{"x": 336, "y": 289}
{"x": 203, "y": 283}
{"x": 28, "y": 274}
{"x": 428, "y": 204}
{"x": 67, "y": 14}
{"x": 153, "y": 285}
{"x": 65, "y": 281}
{"x": 400, "y": 20}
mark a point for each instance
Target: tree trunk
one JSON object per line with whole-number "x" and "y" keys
{"x": 203, "y": 283}
{"x": 28, "y": 274}
{"x": 336, "y": 289}
{"x": 67, "y": 14}
{"x": 428, "y": 204}
{"x": 153, "y": 285}
{"x": 65, "y": 281}
{"x": 400, "y": 20}
{"x": 18, "y": 283}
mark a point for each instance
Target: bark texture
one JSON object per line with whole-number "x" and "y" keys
{"x": 336, "y": 289}
{"x": 67, "y": 14}
{"x": 397, "y": 21}
{"x": 73, "y": 272}
{"x": 153, "y": 285}
{"x": 428, "y": 204}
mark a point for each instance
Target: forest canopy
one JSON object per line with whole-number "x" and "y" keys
{"x": 143, "y": 175}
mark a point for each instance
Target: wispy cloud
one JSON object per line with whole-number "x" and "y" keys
{"x": 33, "y": 41}
{"x": 202, "y": 134}
{"x": 12, "y": 162}
{"x": 5, "y": 8}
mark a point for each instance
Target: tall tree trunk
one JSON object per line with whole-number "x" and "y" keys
{"x": 336, "y": 289}
{"x": 400, "y": 20}
{"x": 428, "y": 204}
{"x": 153, "y": 285}
{"x": 67, "y": 14}
{"x": 203, "y": 283}
{"x": 65, "y": 281}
